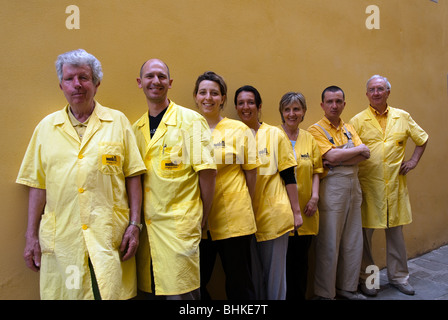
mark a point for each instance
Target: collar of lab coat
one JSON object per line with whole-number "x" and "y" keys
{"x": 391, "y": 118}
{"x": 168, "y": 119}
{"x": 99, "y": 114}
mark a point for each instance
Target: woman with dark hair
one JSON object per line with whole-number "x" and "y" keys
{"x": 231, "y": 223}
{"x": 276, "y": 205}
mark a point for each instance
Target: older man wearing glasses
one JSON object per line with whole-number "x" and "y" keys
{"x": 385, "y": 130}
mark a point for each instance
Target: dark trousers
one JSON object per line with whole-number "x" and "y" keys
{"x": 236, "y": 263}
{"x": 297, "y": 266}
{"x": 95, "y": 288}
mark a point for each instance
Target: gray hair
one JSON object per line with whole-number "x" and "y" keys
{"x": 80, "y": 57}
{"x": 377, "y": 76}
{"x": 290, "y": 98}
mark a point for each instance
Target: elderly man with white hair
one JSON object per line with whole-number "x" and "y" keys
{"x": 385, "y": 130}
{"x": 83, "y": 168}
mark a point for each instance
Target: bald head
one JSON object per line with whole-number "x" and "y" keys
{"x": 155, "y": 61}
{"x": 155, "y": 82}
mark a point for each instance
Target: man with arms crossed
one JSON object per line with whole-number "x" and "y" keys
{"x": 339, "y": 242}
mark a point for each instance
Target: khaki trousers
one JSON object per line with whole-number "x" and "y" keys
{"x": 339, "y": 242}
{"x": 396, "y": 258}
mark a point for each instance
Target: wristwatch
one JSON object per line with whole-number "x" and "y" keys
{"x": 134, "y": 223}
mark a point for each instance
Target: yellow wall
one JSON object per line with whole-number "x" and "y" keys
{"x": 275, "y": 45}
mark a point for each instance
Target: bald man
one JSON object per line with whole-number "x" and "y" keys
{"x": 175, "y": 143}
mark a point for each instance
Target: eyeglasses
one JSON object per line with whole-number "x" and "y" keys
{"x": 378, "y": 89}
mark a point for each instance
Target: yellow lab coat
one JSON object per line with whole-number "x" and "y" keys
{"x": 86, "y": 211}
{"x": 231, "y": 214}
{"x": 385, "y": 195}
{"x": 272, "y": 208}
{"x": 180, "y": 147}
{"x": 309, "y": 162}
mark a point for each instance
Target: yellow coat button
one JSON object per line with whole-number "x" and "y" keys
{"x": 80, "y": 156}
{"x": 80, "y": 190}
{"x": 84, "y": 227}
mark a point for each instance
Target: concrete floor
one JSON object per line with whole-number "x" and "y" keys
{"x": 428, "y": 276}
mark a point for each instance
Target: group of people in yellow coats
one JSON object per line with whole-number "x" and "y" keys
{"x": 115, "y": 206}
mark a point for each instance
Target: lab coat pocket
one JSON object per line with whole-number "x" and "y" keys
{"x": 119, "y": 225}
{"x": 172, "y": 162}
{"x": 110, "y": 157}
{"x": 239, "y": 210}
{"x": 280, "y": 204}
{"x": 399, "y": 139}
{"x": 47, "y": 232}
{"x": 188, "y": 219}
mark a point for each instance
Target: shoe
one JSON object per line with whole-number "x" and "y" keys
{"x": 372, "y": 292}
{"x": 405, "y": 288}
{"x": 355, "y": 295}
